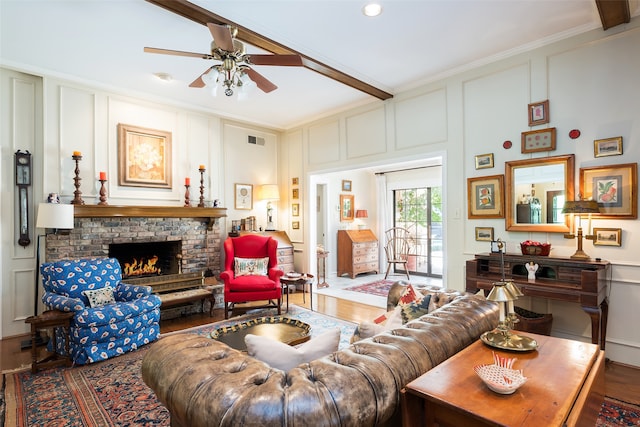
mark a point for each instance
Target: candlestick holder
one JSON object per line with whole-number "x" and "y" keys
{"x": 201, "y": 204}
{"x": 580, "y": 254}
{"x": 187, "y": 201}
{"x": 77, "y": 199}
{"x": 580, "y": 207}
{"x": 103, "y": 193}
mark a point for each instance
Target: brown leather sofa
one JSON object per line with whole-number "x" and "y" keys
{"x": 203, "y": 382}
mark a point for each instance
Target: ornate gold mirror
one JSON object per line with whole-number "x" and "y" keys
{"x": 536, "y": 190}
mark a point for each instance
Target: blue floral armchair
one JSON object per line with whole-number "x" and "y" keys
{"x": 111, "y": 317}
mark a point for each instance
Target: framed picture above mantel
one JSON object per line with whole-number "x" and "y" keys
{"x": 144, "y": 157}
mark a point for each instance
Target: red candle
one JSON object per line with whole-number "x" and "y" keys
{"x": 187, "y": 181}
{"x": 103, "y": 176}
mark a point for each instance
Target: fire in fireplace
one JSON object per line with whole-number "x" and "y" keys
{"x": 147, "y": 258}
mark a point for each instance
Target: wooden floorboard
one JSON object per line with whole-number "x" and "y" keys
{"x": 622, "y": 381}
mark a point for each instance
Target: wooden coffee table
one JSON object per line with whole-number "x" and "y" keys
{"x": 284, "y": 329}
{"x": 565, "y": 386}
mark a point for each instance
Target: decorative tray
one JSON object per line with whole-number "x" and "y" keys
{"x": 500, "y": 376}
{"x": 511, "y": 341}
{"x": 281, "y": 328}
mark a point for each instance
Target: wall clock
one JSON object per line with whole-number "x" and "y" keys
{"x": 23, "y": 182}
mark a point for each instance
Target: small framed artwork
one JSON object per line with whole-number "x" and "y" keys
{"x": 538, "y": 113}
{"x": 485, "y": 197}
{"x": 346, "y": 207}
{"x": 607, "y": 147}
{"x": 295, "y": 225}
{"x": 484, "y": 234}
{"x": 607, "y": 236}
{"x": 295, "y": 193}
{"x": 346, "y": 185}
{"x": 484, "y": 161}
{"x": 144, "y": 157}
{"x": 539, "y": 140}
{"x": 243, "y": 196}
{"x": 294, "y": 181}
{"x": 614, "y": 187}
{"x": 295, "y": 209}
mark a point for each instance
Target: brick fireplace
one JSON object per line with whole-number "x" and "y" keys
{"x": 195, "y": 230}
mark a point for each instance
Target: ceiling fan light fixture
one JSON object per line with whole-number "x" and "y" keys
{"x": 372, "y": 9}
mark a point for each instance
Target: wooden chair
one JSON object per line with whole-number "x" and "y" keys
{"x": 397, "y": 248}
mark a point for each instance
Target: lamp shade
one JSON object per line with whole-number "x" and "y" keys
{"x": 581, "y": 207}
{"x": 54, "y": 215}
{"x": 500, "y": 293}
{"x": 268, "y": 192}
{"x": 362, "y": 213}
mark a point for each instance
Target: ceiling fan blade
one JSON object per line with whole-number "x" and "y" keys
{"x": 261, "y": 81}
{"x": 222, "y": 36}
{"x": 282, "y": 60}
{"x": 178, "y": 53}
{"x": 199, "y": 82}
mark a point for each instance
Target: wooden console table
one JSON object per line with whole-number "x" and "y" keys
{"x": 46, "y": 320}
{"x": 565, "y": 387}
{"x": 564, "y": 279}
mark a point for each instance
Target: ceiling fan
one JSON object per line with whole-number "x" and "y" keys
{"x": 234, "y": 69}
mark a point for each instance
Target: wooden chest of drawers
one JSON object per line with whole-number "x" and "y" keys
{"x": 357, "y": 252}
{"x": 285, "y": 248}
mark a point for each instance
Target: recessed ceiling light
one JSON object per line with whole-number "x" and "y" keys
{"x": 372, "y": 9}
{"x": 165, "y": 77}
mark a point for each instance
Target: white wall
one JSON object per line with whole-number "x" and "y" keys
{"x": 591, "y": 84}
{"x": 52, "y": 118}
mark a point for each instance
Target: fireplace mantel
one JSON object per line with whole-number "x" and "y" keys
{"x": 109, "y": 211}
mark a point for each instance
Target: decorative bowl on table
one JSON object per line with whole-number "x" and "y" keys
{"x": 500, "y": 376}
{"x": 531, "y": 247}
{"x": 293, "y": 275}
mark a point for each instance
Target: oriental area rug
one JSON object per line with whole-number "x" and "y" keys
{"x": 112, "y": 392}
{"x": 379, "y": 288}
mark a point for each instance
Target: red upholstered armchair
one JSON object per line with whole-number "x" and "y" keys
{"x": 251, "y": 272}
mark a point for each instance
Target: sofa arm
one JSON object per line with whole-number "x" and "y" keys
{"x": 62, "y": 303}
{"x": 126, "y": 292}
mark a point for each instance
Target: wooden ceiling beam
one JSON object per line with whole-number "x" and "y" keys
{"x": 202, "y": 16}
{"x": 613, "y": 12}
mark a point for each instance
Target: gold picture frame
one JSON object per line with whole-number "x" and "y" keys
{"x": 295, "y": 209}
{"x": 144, "y": 157}
{"x": 484, "y": 234}
{"x": 607, "y": 147}
{"x": 607, "y": 236}
{"x": 243, "y": 196}
{"x": 484, "y": 161}
{"x": 295, "y": 193}
{"x": 295, "y": 225}
{"x": 346, "y": 207}
{"x": 614, "y": 187}
{"x": 294, "y": 181}
{"x": 485, "y": 197}
{"x": 346, "y": 185}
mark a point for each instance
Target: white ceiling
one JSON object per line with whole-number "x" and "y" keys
{"x": 101, "y": 42}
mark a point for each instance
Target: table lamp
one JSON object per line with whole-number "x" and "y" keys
{"x": 269, "y": 192}
{"x": 580, "y": 207}
{"x": 362, "y": 213}
{"x": 505, "y": 292}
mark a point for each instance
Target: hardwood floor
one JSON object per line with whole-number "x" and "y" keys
{"x": 622, "y": 382}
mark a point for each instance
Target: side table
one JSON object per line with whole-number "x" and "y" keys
{"x": 322, "y": 260}
{"x": 46, "y": 320}
{"x": 305, "y": 279}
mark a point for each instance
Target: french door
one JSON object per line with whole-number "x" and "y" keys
{"x": 419, "y": 210}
